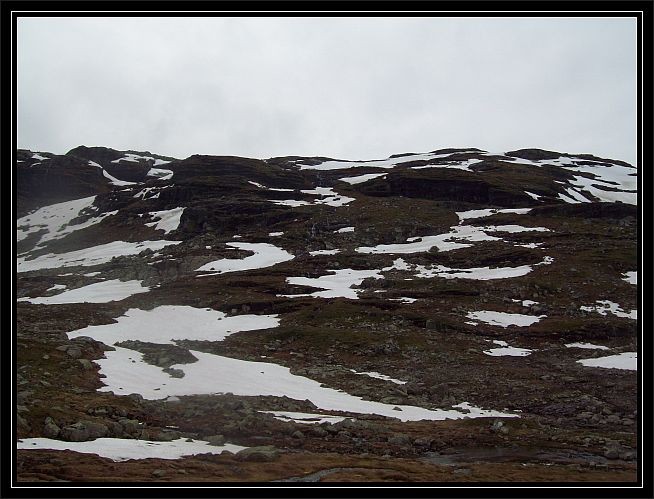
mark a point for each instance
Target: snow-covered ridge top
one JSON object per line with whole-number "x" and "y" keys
{"x": 474, "y": 155}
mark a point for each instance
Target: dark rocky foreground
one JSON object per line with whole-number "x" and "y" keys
{"x": 576, "y": 423}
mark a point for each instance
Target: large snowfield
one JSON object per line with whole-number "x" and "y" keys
{"x": 124, "y": 449}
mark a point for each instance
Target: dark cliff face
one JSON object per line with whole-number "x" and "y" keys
{"x": 450, "y": 187}
{"x": 100, "y": 155}
{"x": 227, "y": 172}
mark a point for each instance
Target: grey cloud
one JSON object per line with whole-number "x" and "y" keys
{"x": 348, "y": 88}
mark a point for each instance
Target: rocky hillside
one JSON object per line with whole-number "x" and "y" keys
{"x": 457, "y": 315}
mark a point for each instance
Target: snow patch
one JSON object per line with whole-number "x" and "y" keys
{"x": 506, "y": 350}
{"x": 167, "y": 323}
{"x": 166, "y": 220}
{"x": 265, "y": 255}
{"x": 626, "y": 360}
{"x": 504, "y": 319}
{"x": 160, "y": 172}
{"x": 604, "y": 307}
{"x": 150, "y": 192}
{"x": 630, "y": 277}
{"x": 339, "y": 284}
{"x": 477, "y": 273}
{"x": 457, "y": 165}
{"x": 404, "y": 299}
{"x": 124, "y": 449}
{"x": 134, "y": 158}
{"x": 99, "y": 292}
{"x": 377, "y": 375}
{"x": 359, "y": 179}
{"x": 587, "y": 346}
{"x": 305, "y": 417}
{"x": 56, "y": 220}
{"x": 466, "y": 215}
{"x": 449, "y": 241}
{"x": 126, "y": 373}
{"x": 94, "y": 255}
{"x": 324, "y": 252}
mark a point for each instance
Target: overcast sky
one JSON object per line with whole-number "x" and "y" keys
{"x": 341, "y": 87}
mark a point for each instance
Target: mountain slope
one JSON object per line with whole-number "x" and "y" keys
{"x": 440, "y": 307}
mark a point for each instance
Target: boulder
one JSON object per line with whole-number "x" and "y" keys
{"x": 400, "y": 439}
{"x": 96, "y": 430}
{"x": 258, "y": 454}
{"x": 74, "y": 352}
{"x": 51, "y": 430}
{"x": 86, "y": 364}
{"x": 75, "y": 433}
{"x": 218, "y": 440}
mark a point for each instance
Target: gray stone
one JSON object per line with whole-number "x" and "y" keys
{"x": 21, "y": 422}
{"x": 423, "y": 442}
{"x": 216, "y": 440}
{"x": 23, "y": 395}
{"x": 74, "y": 352}
{"x": 298, "y": 434}
{"x": 130, "y": 425}
{"x": 258, "y": 454}
{"x": 167, "y": 436}
{"x": 319, "y": 431}
{"x": 115, "y": 429}
{"x": 159, "y": 473}
{"x": 96, "y": 430}
{"x": 399, "y": 439}
{"x": 75, "y": 433}
{"x": 86, "y": 364}
{"x": 51, "y": 430}
{"x": 497, "y": 425}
